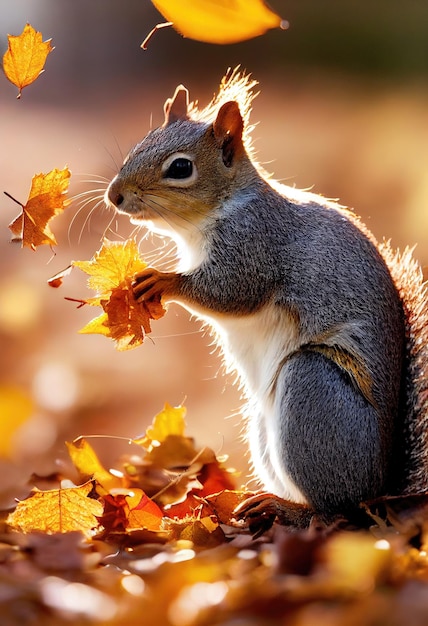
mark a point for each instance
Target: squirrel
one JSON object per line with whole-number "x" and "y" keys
{"x": 326, "y": 328}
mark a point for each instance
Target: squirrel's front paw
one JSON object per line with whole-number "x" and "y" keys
{"x": 151, "y": 284}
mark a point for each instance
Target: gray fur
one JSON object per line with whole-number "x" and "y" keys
{"x": 343, "y": 378}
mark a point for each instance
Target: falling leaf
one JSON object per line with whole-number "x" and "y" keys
{"x": 220, "y": 21}
{"x": 56, "y": 280}
{"x": 111, "y": 273}
{"x": 88, "y": 465}
{"x": 46, "y": 199}
{"x": 25, "y": 57}
{"x": 57, "y": 510}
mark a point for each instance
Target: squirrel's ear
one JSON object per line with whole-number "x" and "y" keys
{"x": 228, "y": 128}
{"x": 175, "y": 108}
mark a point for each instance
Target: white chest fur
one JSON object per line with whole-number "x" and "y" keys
{"x": 255, "y": 346}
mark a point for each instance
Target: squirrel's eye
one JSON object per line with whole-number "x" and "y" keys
{"x": 180, "y": 168}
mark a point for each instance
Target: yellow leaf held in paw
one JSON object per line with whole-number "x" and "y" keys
{"x": 111, "y": 273}
{"x": 220, "y": 21}
{"x": 47, "y": 198}
{"x": 25, "y": 57}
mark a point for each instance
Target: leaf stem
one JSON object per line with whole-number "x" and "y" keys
{"x": 14, "y": 199}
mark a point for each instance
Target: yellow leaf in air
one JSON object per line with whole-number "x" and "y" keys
{"x": 15, "y": 409}
{"x": 220, "y": 21}
{"x": 47, "y": 199}
{"x": 25, "y": 57}
{"x": 88, "y": 465}
{"x": 57, "y": 511}
{"x": 170, "y": 421}
{"x": 111, "y": 273}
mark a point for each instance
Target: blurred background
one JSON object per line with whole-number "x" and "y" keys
{"x": 343, "y": 110}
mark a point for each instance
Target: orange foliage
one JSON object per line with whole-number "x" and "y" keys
{"x": 132, "y": 499}
{"x": 111, "y": 273}
{"x": 46, "y": 199}
{"x": 25, "y": 57}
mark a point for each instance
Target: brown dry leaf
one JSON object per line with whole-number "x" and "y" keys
{"x": 61, "y": 552}
{"x": 111, "y": 273}
{"x": 225, "y": 502}
{"x": 25, "y": 57}
{"x": 46, "y": 199}
{"x": 57, "y": 510}
{"x": 220, "y": 21}
{"x": 203, "y": 533}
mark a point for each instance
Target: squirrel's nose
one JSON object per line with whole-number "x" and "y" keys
{"x": 114, "y": 194}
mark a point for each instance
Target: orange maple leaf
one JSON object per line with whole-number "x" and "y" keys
{"x": 57, "y": 510}
{"x": 111, "y": 273}
{"x": 221, "y": 22}
{"x": 46, "y": 199}
{"x": 130, "y": 511}
{"x": 25, "y": 57}
{"x": 143, "y": 512}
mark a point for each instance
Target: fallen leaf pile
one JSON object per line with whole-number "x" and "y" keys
{"x": 111, "y": 273}
{"x": 25, "y": 57}
{"x": 154, "y": 542}
{"x": 167, "y": 479}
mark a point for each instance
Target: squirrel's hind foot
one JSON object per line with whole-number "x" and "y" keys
{"x": 261, "y": 511}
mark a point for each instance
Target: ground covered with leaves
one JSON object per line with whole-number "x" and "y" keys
{"x": 155, "y": 541}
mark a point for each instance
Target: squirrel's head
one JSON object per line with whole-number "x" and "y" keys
{"x": 181, "y": 173}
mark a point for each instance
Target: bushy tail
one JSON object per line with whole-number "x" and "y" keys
{"x": 412, "y": 443}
